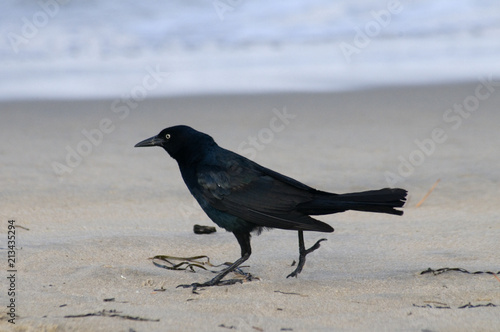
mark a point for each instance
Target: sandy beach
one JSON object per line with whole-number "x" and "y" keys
{"x": 89, "y": 211}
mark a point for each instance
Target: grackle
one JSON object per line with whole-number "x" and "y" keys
{"x": 241, "y": 196}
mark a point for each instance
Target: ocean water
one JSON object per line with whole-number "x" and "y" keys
{"x": 106, "y": 48}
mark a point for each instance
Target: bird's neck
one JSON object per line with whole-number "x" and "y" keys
{"x": 194, "y": 153}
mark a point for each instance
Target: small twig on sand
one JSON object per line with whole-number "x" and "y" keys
{"x": 428, "y": 193}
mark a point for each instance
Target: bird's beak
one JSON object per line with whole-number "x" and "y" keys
{"x": 152, "y": 141}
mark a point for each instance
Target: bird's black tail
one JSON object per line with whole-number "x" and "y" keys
{"x": 383, "y": 201}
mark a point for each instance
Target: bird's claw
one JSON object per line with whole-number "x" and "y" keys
{"x": 314, "y": 247}
{"x": 195, "y": 286}
{"x": 302, "y": 258}
{"x": 210, "y": 283}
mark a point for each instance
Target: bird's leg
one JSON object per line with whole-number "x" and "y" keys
{"x": 246, "y": 251}
{"x": 303, "y": 252}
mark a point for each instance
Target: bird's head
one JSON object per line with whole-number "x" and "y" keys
{"x": 181, "y": 142}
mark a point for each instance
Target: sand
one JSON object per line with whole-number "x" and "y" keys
{"x": 90, "y": 210}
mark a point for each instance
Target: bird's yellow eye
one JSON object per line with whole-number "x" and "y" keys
{"x": 167, "y": 136}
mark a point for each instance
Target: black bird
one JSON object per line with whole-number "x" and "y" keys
{"x": 241, "y": 196}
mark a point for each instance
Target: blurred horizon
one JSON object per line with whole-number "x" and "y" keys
{"x": 89, "y": 49}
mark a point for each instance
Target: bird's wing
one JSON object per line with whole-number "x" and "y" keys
{"x": 248, "y": 191}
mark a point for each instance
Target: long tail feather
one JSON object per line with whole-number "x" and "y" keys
{"x": 383, "y": 201}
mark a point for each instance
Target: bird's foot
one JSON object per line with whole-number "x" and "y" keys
{"x": 302, "y": 258}
{"x": 216, "y": 282}
{"x": 209, "y": 283}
